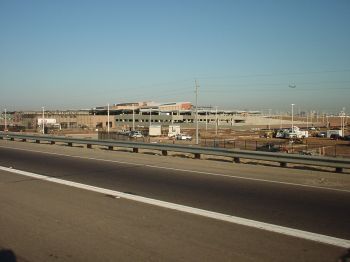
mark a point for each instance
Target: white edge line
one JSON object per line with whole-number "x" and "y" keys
{"x": 182, "y": 170}
{"x": 196, "y": 211}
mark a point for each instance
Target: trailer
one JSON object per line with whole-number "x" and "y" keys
{"x": 155, "y": 130}
{"x": 338, "y": 133}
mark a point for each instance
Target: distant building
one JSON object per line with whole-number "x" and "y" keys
{"x": 144, "y": 114}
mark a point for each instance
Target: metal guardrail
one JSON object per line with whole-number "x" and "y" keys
{"x": 236, "y": 154}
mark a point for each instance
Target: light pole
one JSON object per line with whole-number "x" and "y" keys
{"x": 133, "y": 118}
{"x": 216, "y": 120}
{"x": 342, "y": 121}
{"x": 293, "y": 117}
{"x": 150, "y": 117}
{"x": 43, "y": 122}
{"x": 196, "y": 111}
{"x": 108, "y": 118}
{"x": 206, "y": 120}
{"x": 5, "y": 120}
{"x": 281, "y": 124}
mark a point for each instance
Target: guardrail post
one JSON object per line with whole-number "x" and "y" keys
{"x": 236, "y": 160}
{"x": 89, "y": 146}
{"x": 283, "y": 164}
{"x": 339, "y": 169}
{"x": 70, "y": 144}
{"x": 164, "y": 152}
{"x": 37, "y": 141}
{"x": 197, "y": 155}
{"x": 110, "y": 147}
{"x": 135, "y": 150}
{"x": 52, "y": 142}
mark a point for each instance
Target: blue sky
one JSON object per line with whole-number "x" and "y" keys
{"x": 244, "y": 54}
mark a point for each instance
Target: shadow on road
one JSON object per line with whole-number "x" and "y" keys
{"x": 344, "y": 258}
{"x": 7, "y": 255}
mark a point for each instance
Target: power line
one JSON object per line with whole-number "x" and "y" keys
{"x": 277, "y": 74}
{"x": 279, "y": 90}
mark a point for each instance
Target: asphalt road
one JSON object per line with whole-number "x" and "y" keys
{"x": 311, "y": 209}
{"x": 43, "y": 221}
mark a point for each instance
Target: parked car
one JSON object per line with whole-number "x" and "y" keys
{"x": 124, "y": 132}
{"x": 321, "y": 134}
{"x": 183, "y": 137}
{"x": 335, "y": 136}
{"x": 346, "y": 138}
{"x": 135, "y": 134}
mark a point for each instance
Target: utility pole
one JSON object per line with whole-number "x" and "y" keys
{"x": 269, "y": 119}
{"x": 43, "y": 122}
{"x": 196, "y": 111}
{"x": 108, "y": 118}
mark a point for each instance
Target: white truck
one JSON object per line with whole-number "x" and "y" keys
{"x": 297, "y": 133}
{"x": 174, "y": 131}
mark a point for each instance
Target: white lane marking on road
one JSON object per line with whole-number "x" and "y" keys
{"x": 196, "y": 211}
{"x": 182, "y": 170}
